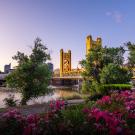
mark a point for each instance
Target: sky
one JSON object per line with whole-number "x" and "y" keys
{"x": 63, "y": 24}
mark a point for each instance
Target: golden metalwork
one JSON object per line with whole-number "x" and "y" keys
{"x": 65, "y": 58}
{"x": 91, "y": 43}
{"x": 65, "y": 62}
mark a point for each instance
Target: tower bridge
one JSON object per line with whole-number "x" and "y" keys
{"x": 70, "y": 76}
{"x": 66, "y": 74}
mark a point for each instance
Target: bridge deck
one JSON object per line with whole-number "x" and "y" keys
{"x": 68, "y": 77}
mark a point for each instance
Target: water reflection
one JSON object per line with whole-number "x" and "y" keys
{"x": 53, "y": 96}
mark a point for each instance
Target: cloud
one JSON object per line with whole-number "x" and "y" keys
{"x": 108, "y": 13}
{"x": 115, "y": 15}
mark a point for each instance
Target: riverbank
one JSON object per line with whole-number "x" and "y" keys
{"x": 6, "y": 89}
{"x": 75, "y": 88}
{"x": 38, "y": 108}
{"x": 58, "y": 93}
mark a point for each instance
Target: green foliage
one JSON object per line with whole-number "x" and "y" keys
{"x": 10, "y": 101}
{"x": 131, "y": 56}
{"x": 74, "y": 114}
{"x": 97, "y": 90}
{"x": 98, "y": 58}
{"x": 86, "y": 86}
{"x": 90, "y": 87}
{"x": 32, "y": 75}
{"x": 72, "y": 97}
{"x": 95, "y": 97}
{"x": 94, "y": 88}
{"x": 106, "y": 88}
{"x": 112, "y": 55}
{"x": 92, "y": 64}
{"x": 11, "y": 126}
{"x": 114, "y": 74}
{"x": 39, "y": 52}
{"x": 104, "y": 66}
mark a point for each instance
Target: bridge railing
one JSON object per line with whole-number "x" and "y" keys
{"x": 72, "y": 73}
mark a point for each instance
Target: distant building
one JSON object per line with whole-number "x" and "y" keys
{"x": 7, "y": 71}
{"x": 56, "y": 72}
{"x": 7, "y": 68}
{"x": 50, "y": 65}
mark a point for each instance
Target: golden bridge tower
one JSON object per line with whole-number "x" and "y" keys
{"x": 65, "y": 62}
{"x": 91, "y": 43}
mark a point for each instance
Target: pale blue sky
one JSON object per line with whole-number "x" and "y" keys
{"x": 63, "y": 24}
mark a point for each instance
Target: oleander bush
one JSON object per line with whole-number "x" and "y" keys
{"x": 107, "y": 88}
{"x": 99, "y": 90}
{"x": 110, "y": 115}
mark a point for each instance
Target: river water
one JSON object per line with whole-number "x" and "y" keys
{"x": 41, "y": 99}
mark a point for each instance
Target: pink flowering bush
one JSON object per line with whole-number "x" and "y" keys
{"x": 121, "y": 105}
{"x": 110, "y": 115}
{"x": 112, "y": 103}
{"x": 106, "y": 122}
{"x": 57, "y": 105}
{"x": 12, "y": 123}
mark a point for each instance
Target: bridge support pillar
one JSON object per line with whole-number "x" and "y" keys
{"x": 79, "y": 85}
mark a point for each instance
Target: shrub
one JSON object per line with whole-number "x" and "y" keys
{"x": 122, "y": 106}
{"x": 111, "y": 115}
{"x": 107, "y": 88}
{"x": 95, "y": 97}
{"x": 115, "y": 74}
{"x": 112, "y": 103}
{"x": 10, "y": 101}
{"x": 90, "y": 87}
{"x": 98, "y": 90}
{"x": 86, "y": 87}
{"x": 12, "y": 123}
{"x": 103, "y": 122}
{"x": 74, "y": 114}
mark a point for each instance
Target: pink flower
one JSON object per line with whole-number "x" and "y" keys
{"x": 105, "y": 119}
{"x": 57, "y": 105}
{"x": 86, "y": 110}
{"x": 51, "y": 105}
{"x": 11, "y": 114}
{"x": 32, "y": 119}
{"x": 104, "y": 100}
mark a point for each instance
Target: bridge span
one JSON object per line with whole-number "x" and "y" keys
{"x": 68, "y": 78}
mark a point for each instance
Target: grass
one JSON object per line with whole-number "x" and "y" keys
{"x": 69, "y": 95}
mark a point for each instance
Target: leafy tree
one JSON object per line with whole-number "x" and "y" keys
{"x": 131, "y": 54}
{"x": 113, "y": 55}
{"x": 92, "y": 64}
{"x": 114, "y": 74}
{"x": 98, "y": 58}
{"x": 32, "y": 74}
{"x": 104, "y": 65}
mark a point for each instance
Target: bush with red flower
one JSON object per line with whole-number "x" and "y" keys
{"x": 110, "y": 115}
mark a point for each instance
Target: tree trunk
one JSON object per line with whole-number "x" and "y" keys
{"x": 23, "y": 101}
